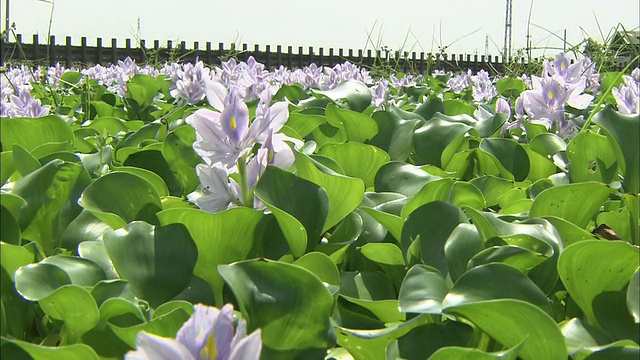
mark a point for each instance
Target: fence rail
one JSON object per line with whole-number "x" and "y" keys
{"x": 50, "y": 53}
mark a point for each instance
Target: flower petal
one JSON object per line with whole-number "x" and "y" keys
{"x": 153, "y": 347}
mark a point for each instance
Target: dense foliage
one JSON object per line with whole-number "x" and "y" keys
{"x": 439, "y": 216}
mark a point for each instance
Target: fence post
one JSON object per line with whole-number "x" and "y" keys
{"x": 331, "y": 57}
{"x": 83, "y": 50}
{"x": 267, "y": 57}
{"x": 279, "y": 55}
{"x": 311, "y": 56}
{"x": 98, "y": 51}
{"x": 321, "y": 57}
{"x": 143, "y": 49}
{"x": 36, "y": 53}
{"x": 289, "y": 57}
{"x": 52, "y": 50}
{"x": 68, "y": 51}
{"x": 114, "y": 51}
{"x": 300, "y": 56}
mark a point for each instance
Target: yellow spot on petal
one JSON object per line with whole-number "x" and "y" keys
{"x": 209, "y": 350}
{"x": 563, "y": 66}
{"x": 233, "y": 123}
{"x": 551, "y": 95}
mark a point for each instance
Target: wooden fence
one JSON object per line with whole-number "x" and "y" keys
{"x": 50, "y": 53}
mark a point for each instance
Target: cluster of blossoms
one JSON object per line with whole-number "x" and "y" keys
{"x": 207, "y": 335}
{"x": 627, "y": 95}
{"x": 234, "y": 147}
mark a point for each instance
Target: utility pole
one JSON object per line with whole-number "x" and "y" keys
{"x": 507, "y": 31}
{"x": 6, "y": 26}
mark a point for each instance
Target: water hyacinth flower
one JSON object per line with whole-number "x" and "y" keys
{"x": 483, "y": 88}
{"x": 23, "y": 105}
{"x": 627, "y": 95}
{"x": 207, "y": 335}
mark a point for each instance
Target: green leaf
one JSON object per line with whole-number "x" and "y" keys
{"x": 30, "y": 133}
{"x": 75, "y": 307}
{"x": 450, "y": 333}
{"x": 402, "y": 178}
{"x": 355, "y": 92}
{"x": 50, "y": 193}
{"x": 220, "y": 238}
{"x": 158, "y": 262}
{"x": 85, "y": 227}
{"x": 510, "y": 87}
{"x": 13, "y": 257}
{"x": 462, "y": 353}
{"x": 591, "y": 158}
{"x": 511, "y": 156}
{"x": 37, "y": 281}
{"x": 10, "y": 231}
{"x": 388, "y": 257}
{"x": 345, "y": 193}
{"x": 321, "y": 266}
{"x": 166, "y": 325}
{"x": 281, "y": 299}
{"x": 304, "y": 124}
{"x": 153, "y": 161}
{"x": 512, "y": 321}
{"x": 461, "y": 246}
{"x": 433, "y": 223}
{"x": 431, "y": 139}
{"x": 83, "y": 272}
{"x": 395, "y": 134}
{"x": 357, "y": 160}
{"x": 621, "y": 130}
{"x": 120, "y": 198}
{"x": 154, "y": 179}
{"x": 358, "y": 127}
{"x": 592, "y": 267}
{"x": 299, "y": 205}
{"x": 457, "y": 107}
{"x": 633, "y": 304}
{"x": 422, "y": 291}
{"x": 576, "y": 203}
{"x": 16, "y": 349}
{"x": 25, "y": 163}
{"x": 494, "y": 278}
{"x": 177, "y": 149}
{"x": 492, "y": 187}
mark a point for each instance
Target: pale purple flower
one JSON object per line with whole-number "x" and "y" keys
{"x": 23, "y": 105}
{"x": 460, "y": 82}
{"x": 207, "y": 335}
{"x": 627, "y": 95}
{"x": 546, "y": 100}
{"x": 379, "y": 93}
{"x": 190, "y": 83}
{"x": 218, "y": 190}
{"x": 483, "y": 88}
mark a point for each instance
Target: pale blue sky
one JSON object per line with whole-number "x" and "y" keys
{"x": 462, "y": 26}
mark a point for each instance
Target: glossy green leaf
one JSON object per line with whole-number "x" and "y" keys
{"x": 358, "y": 127}
{"x": 85, "y": 227}
{"x": 402, "y": 178}
{"x": 37, "y": 281}
{"x": 492, "y": 187}
{"x": 510, "y": 87}
{"x": 158, "y": 262}
{"x": 13, "y": 257}
{"x": 562, "y": 201}
{"x": 433, "y": 223}
{"x": 299, "y": 205}
{"x": 395, "y": 134}
{"x": 493, "y": 278}
{"x": 83, "y": 272}
{"x": 357, "y": 160}
{"x": 449, "y": 333}
{"x": 166, "y": 325}
{"x": 464, "y": 193}
{"x": 519, "y": 257}
{"x": 436, "y": 190}
{"x": 154, "y": 179}
{"x": 511, "y": 321}
{"x": 304, "y": 124}
{"x": 221, "y": 238}
{"x": 282, "y": 299}
{"x": 461, "y": 246}
{"x": 136, "y": 199}
{"x": 50, "y": 193}
{"x": 510, "y": 154}
{"x": 30, "y": 133}
{"x": 345, "y": 193}
{"x": 75, "y": 307}
{"x": 591, "y": 158}
{"x": 97, "y": 253}
{"x": 355, "y": 92}
{"x": 16, "y": 349}
{"x": 590, "y": 268}
{"x": 431, "y": 139}
{"x": 321, "y": 266}
{"x": 633, "y": 294}
{"x": 154, "y": 161}
{"x": 25, "y": 163}
{"x": 422, "y": 291}
{"x": 10, "y": 231}
{"x": 388, "y": 257}
{"x": 622, "y": 130}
